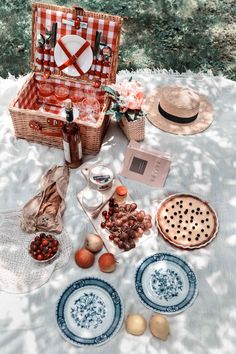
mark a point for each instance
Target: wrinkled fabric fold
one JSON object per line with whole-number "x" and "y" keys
{"x": 44, "y": 211}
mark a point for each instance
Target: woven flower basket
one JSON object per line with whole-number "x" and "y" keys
{"x": 134, "y": 130}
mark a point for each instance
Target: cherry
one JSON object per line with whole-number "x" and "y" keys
{"x": 44, "y": 242}
{"x": 104, "y": 213}
{"x": 33, "y": 247}
{"x": 103, "y": 225}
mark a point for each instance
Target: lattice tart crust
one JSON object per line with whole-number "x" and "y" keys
{"x": 187, "y": 221}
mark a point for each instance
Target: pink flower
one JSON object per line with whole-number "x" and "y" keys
{"x": 131, "y": 95}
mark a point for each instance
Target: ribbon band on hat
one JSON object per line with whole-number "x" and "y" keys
{"x": 176, "y": 119}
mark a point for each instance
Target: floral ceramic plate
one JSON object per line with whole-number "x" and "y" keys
{"x": 165, "y": 283}
{"x": 90, "y": 312}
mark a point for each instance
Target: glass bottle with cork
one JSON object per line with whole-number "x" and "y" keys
{"x": 120, "y": 194}
{"x": 71, "y": 138}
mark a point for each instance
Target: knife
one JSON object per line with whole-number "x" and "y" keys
{"x": 102, "y": 45}
{"x": 46, "y": 58}
{"x": 97, "y": 42}
{"x": 106, "y": 52}
{"x": 53, "y": 44}
{"x": 95, "y": 53}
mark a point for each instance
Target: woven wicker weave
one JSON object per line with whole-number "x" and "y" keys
{"x": 134, "y": 130}
{"x": 43, "y": 127}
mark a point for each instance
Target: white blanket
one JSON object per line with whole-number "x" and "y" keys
{"x": 203, "y": 164}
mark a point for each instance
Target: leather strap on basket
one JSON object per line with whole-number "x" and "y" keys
{"x": 72, "y": 58}
{"x": 36, "y": 126}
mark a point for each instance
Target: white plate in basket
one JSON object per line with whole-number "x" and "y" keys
{"x": 73, "y": 43}
{"x": 89, "y": 312}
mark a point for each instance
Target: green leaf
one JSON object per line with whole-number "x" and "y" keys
{"x": 116, "y": 106}
{"x": 118, "y": 116}
{"x": 110, "y": 111}
{"x": 133, "y": 115}
{"x": 112, "y": 92}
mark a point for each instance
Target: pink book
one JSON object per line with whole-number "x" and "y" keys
{"x": 146, "y": 166}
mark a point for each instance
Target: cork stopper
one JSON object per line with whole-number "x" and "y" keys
{"x": 68, "y": 103}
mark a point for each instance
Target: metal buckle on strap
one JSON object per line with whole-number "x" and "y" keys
{"x": 55, "y": 122}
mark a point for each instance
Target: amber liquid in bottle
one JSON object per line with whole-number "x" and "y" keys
{"x": 71, "y": 139}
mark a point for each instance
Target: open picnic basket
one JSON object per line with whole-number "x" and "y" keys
{"x": 44, "y": 127}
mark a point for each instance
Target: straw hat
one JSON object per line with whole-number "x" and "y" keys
{"x": 178, "y": 110}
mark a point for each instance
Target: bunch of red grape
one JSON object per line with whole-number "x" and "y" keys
{"x": 125, "y": 224}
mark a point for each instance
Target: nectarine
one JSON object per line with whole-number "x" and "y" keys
{"x": 93, "y": 243}
{"x": 84, "y": 258}
{"x": 107, "y": 262}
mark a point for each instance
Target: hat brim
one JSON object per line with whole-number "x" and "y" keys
{"x": 202, "y": 122}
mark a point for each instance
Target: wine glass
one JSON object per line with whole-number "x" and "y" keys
{"x": 90, "y": 107}
{"x": 76, "y": 96}
{"x": 45, "y": 89}
{"x": 61, "y": 92}
{"x": 45, "y": 92}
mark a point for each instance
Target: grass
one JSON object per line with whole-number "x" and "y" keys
{"x": 197, "y": 35}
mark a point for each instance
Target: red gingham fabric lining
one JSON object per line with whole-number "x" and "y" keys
{"x": 30, "y": 97}
{"x": 45, "y": 18}
{"x": 74, "y": 85}
{"x": 52, "y": 109}
{"x": 52, "y": 62}
{"x": 39, "y": 58}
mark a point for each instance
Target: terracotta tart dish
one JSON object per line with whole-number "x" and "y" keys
{"x": 187, "y": 221}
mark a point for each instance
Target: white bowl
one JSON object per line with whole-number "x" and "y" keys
{"x": 44, "y": 260}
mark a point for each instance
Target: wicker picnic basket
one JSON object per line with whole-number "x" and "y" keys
{"x": 45, "y": 127}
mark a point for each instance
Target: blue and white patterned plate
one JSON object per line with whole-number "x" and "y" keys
{"x": 90, "y": 312}
{"x": 165, "y": 283}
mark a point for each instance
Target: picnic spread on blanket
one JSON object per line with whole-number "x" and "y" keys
{"x": 68, "y": 102}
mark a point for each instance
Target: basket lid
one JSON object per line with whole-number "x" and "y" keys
{"x": 96, "y": 37}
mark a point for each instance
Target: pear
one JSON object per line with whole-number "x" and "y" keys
{"x": 159, "y": 326}
{"x": 136, "y": 324}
